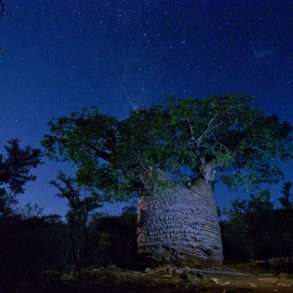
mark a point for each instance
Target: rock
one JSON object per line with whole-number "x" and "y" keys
{"x": 67, "y": 277}
{"x": 187, "y": 269}
{"x": 98, "y": 270}
{"x": 112, "y": 267}
{"x": 215, "y": 280}
{"x": 166, "y": 268}
{"x": 252, "y": 285}
{"x": 281, "y": 284}
{"x": 147, "y": 270}
{"x": 50, "y": 275}
{"x": 268, "y": 280}
{"x": 179, "y": 271}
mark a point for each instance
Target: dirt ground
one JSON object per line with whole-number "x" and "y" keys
{"x": 166, "y": 279}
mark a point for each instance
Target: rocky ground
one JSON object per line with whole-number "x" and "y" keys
{"x": 162, "y": 280}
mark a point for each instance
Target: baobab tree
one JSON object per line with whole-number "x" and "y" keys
{"x": 171, "y": 156}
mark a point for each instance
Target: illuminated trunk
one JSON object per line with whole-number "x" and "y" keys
{"x": 180, "y": 225}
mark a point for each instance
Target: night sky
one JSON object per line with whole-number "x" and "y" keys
{"x": 60, "y": 56}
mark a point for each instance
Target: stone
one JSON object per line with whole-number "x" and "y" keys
{"x": 112, "y": 267}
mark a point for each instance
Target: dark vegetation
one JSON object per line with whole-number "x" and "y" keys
{"x": 252, "y": 229}
{"x": 255, "y": 229}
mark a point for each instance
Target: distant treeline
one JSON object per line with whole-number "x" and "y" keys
{"x": 255, "y": 229}
{"x": 251, "y": 229}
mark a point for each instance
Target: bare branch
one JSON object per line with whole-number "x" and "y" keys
{"x": 191, "y": 132}
{"x": 199, "y": 140}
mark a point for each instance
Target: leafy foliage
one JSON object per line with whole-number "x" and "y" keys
{"x": 173, "y": 141}
{"x": 88, "y": 139}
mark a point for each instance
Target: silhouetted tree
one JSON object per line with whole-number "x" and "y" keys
{"x": 260, "y": 221}
{"x": 286, "y": 198}
{"x": 235, "y": 231}
{"x": 78, "y": 215}
{"x": 253, "y": 228}
{"x": 15, "y": 172}
{"x": 285, "y": 220}
{"x": 115, "y": 239}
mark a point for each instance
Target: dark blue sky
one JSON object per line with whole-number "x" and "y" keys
{"x": 60, "y": 56}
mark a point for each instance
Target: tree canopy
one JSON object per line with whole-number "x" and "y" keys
{"x": 15, "y": 171}
{"x": 181, "y": 139}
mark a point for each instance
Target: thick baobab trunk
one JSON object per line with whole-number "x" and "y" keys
{"x": 180, "y": 225}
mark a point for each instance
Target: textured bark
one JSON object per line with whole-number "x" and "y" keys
{"x": 180, "y": 225}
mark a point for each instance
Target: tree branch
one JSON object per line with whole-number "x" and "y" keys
{"x": 102, "y": 154}
{"x": 198, "y": 141}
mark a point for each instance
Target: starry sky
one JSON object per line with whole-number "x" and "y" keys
{"x": 59, "y": 56}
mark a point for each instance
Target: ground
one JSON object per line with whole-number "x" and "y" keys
{"x": 167, "y": 279}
